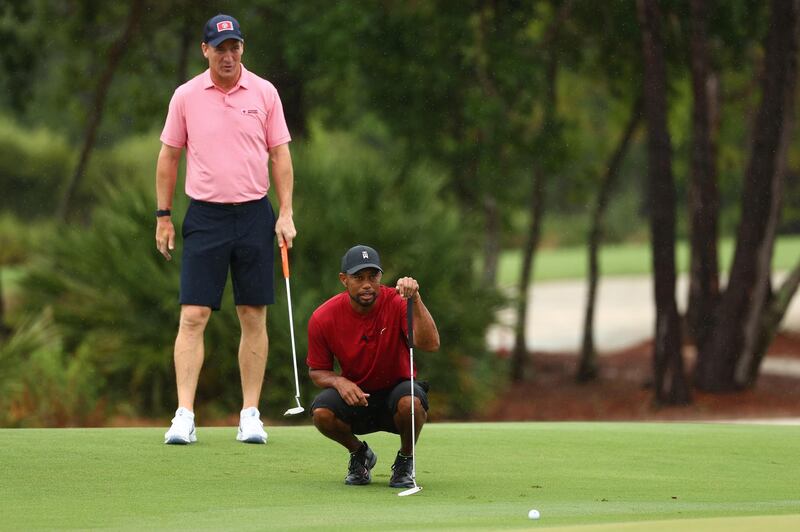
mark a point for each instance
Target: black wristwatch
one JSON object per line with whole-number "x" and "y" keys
{"x": 163, "y": 212}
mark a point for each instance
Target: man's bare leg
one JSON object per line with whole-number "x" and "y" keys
{"x": 336, "y": 429}
{"x": 253, "y": 348}
{"x": 189, "y": 352}
{"x": 402, "y": 420}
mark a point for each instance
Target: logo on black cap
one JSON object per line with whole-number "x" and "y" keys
{"x": 359, "y": 257}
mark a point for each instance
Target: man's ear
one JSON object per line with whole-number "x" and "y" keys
{"x": 343, "y": 278}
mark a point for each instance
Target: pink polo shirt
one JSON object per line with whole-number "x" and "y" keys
{"x": 226, "y": 135}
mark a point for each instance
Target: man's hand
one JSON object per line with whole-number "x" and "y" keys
{"x": 351, "y": 393}
{"x": 408, "y": 288}
{"x": 165, "y": 236}
{"x": 284, "y": 229}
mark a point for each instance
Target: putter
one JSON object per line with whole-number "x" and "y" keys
{"x": 410, "y": 319}
{"x": 285, "y": 260}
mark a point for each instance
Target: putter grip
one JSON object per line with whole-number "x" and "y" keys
{"x": 410, "y": 319}
{"x": 285, "y": 260}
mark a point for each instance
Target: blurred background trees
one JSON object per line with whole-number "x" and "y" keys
{"x": 453, "y": 136}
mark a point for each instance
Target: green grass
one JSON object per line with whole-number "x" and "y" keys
{"x": 625, "y": 259}
{"x": 475, "y": 476}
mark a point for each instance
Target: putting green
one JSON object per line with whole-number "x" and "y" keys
{"x": 638, "y": 476}
{"x": 772, "y": 523}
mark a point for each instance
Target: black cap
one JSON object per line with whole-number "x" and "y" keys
{"x": 359, "y": 257}
{"x": 221, "y": 28}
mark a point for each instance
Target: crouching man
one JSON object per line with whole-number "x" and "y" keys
{"x": 364, "y": 329}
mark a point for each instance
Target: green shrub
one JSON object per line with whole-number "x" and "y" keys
{"x": 32, "y": 169}
{"x": 115, "y": 298}
{"x": 133, "y": 159}
{"x": 42, "y": 386}
{"x": 351, "y": 191}
{"x": 36, "y": 163}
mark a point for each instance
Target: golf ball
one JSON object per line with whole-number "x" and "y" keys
{"x": 533, "y": 514}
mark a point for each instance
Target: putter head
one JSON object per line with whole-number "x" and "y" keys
{"x": 410, "y": 491}
{"x": 294, "y": 411}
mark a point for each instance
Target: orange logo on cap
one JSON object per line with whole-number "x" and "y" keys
{"x": 225, "y": 25}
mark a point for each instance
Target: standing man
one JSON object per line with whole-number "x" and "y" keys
{"x": 231, "y": 123}
{"x": 365, "y": 329}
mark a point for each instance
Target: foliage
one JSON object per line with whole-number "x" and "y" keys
{"x": 437, "y": 74}
{"x": 35, "y": 162}
{"x": 14, "y": 241}
{"x": 32, "y": 167}
{"x": 43, "y": 386}
{"x": 445, "y": 105}
{"x": 352, "y": 192}
{"x": 114, "y": 297}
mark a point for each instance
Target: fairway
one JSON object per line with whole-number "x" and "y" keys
{"x": 626, "y": 259}
{"x": 475, "y": 476}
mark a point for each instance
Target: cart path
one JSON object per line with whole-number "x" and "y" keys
{"x": 625, "y": 315}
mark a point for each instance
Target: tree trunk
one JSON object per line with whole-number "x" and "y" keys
{"x": 587, "y": 366}
{"x": 777, "y": 305}
{"x": 491, "y": 245}
{"x": 491, "y": 211}
{"x": 187, "y": 38}
{"x": 96, "y": 112}
{"x": 519, "y": 356}
{"x": 4, "y": 330}
{"x": 730, "y": 354}
{"x": 703, "y": 193}
{"x": 669, "y": 380}
{"x": 193, "y": 15}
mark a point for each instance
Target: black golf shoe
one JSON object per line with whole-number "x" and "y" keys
{"x": 361, "y": 462}
{"x": 402, "y": 472}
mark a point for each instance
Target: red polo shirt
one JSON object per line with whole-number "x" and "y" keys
{"x": 371, "y": 348}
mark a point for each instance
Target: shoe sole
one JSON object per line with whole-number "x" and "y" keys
{"x": 369, "y": 471}
{"x": 255, "y": 438}
{"x": 178, "y": 440}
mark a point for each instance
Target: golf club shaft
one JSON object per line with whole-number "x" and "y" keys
{"x": 294, "y": 349}
{"x": 285, "y": 263}
{"x": 410, "y": 317}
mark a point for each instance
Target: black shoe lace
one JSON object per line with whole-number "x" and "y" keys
{"x": 357, "y": 463}
{"x": 402, "y": 465}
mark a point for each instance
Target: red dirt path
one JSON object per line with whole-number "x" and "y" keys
{"x": 622, "y": 392}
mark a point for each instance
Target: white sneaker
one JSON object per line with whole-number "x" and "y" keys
{"x": 182, "y": 430}
{"x": 251, "y": 429}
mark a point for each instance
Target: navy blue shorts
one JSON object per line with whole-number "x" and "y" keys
{"x": 217, "y": 236}
{"x": 378, "y": 415}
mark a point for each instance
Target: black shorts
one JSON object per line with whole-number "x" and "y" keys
{"x": 216, "y": 236}
{"x": 378, "y": 415}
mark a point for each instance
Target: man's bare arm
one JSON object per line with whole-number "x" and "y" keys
{"x": 350, "y": 392}
{"x": 283, "y": 179}
{"x": 166, "y": 176}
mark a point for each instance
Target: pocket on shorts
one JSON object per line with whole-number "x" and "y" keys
{"x": 271, "y": 218}
{"x": 187, "y": 224}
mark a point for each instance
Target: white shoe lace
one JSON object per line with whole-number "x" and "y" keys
{"x": 250, "y": 423}
{"x": 182, "y": 425}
